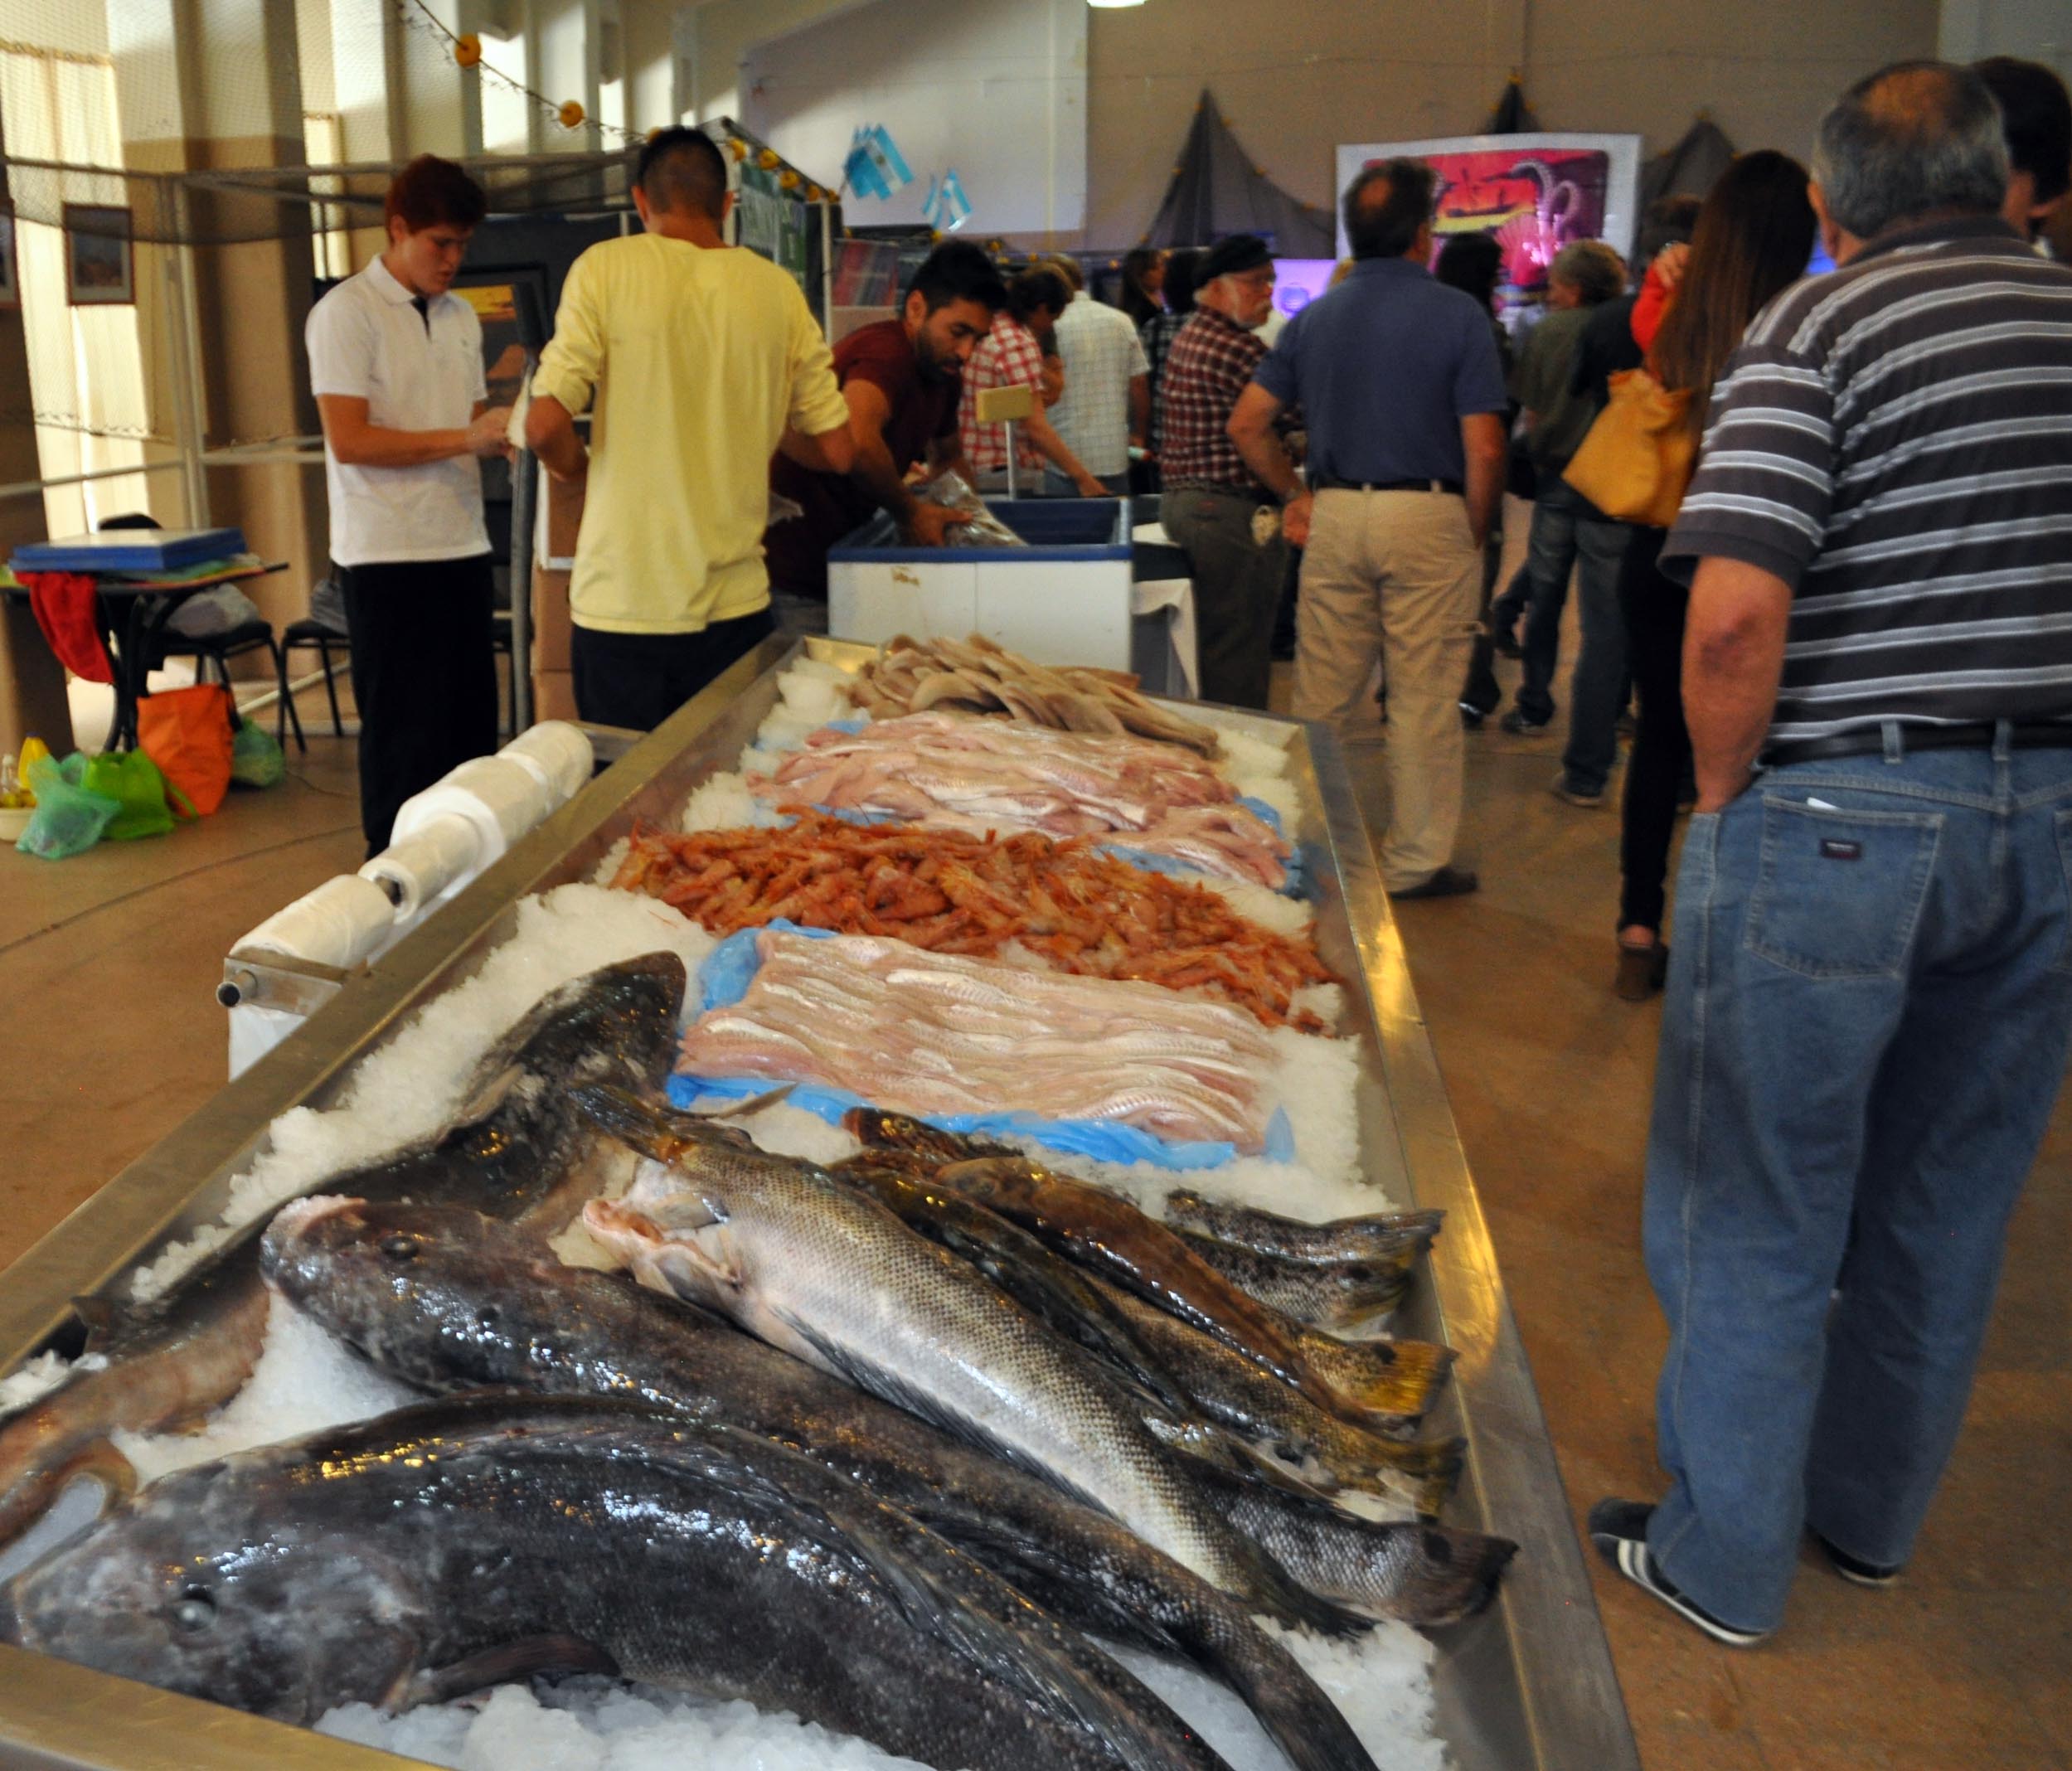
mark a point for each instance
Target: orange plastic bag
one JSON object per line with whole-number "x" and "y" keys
{"x": 187, "y": 732}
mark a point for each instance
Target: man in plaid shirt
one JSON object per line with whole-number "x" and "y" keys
{"x": 1214, "y": 507}
{"x": 1106, "y": 404}
{"x": 1010, "y": 356}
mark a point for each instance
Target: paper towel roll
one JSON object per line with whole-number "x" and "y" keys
{"x": 339, "y": 924}
{"x": 559, "y": 755}
{"x": 501, "y": 798}
{"x": 425, "y": 862}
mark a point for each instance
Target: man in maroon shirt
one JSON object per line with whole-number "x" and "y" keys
{"x": 901, "y": 379}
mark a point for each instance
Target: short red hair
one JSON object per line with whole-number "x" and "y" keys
{"x": 432, "y": 192}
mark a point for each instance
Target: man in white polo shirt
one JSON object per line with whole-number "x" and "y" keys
{"x": 396, "y": 363}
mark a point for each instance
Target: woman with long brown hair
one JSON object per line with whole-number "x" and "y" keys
{"x": 1753, "y": 236}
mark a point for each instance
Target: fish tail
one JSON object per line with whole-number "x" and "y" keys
{"x": 1424, "y": 1474}
{"x": 40, "y": 1452}
{"x": 1387, "y": 1380}
{"x": 1291, "y": 1706}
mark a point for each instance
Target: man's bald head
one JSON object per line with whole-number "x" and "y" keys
{"x": 1915, "y": 140}
{"x": 1386, "y": 208}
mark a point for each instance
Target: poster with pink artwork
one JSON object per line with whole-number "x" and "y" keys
{"x": 1532, "y": 194}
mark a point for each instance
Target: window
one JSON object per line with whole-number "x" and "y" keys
{"x": 85, "y": 366}
{"x": 323, "y": 144}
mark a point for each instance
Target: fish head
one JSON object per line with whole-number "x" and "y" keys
{"x": 428, "y": 1292}
{"x": 673, "y": 1242}
{"x": 208, "y": 1583}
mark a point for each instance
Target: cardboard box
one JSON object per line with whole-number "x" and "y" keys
{"x": 553, "y": 695}
{"x": 550, "y": 623}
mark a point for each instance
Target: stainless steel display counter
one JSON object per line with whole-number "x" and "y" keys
{"x": 1527, "y": 1686}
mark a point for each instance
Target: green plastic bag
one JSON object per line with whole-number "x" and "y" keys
{"x": 255, "y": 757}
{"x": 68, "y": 819}
{"x": 132, "y": 780}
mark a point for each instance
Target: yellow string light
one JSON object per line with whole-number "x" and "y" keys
{"x": 468, "y": 51}
{"x": 571, "y": 114}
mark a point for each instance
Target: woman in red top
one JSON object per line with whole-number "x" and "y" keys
{"x": 1753, "y": 236}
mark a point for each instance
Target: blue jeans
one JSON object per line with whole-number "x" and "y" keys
{"x": 1865, "y": 1027}
{"x": 1568, "y": 531}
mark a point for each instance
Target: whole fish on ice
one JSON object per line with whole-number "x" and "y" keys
{"x": 519, "y": 1148}
{"x": 446, "y": 1299}
{"x": 461, "y": 1543}
{"x": 811, "y": 1266}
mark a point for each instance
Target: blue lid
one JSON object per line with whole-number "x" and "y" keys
{"x": 1056, "y": 529}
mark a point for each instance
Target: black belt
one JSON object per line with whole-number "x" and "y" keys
{"x": 1869, "y": 741}
{"x": 1453, "y": 487}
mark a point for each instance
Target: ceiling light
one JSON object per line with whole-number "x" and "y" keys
{"x": 1106, "y": 3}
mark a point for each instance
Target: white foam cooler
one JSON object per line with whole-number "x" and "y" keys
{"x": 1064, "y": 598}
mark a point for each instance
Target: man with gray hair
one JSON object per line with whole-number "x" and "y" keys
{"x": 1870, "y": 1002}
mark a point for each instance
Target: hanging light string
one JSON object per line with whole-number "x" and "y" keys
{"x": 466, "y": 50}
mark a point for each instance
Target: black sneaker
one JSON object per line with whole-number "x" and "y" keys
{"x": 1521, "y": 724}
{"x": 1856, "y": 1571}
{"x": 1448, "y": 882}
{"x": 1620, "y": 1530}
{"x": 1472, "y": 717}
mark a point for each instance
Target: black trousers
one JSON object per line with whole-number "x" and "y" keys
{"x": 1653, "y": 608}
{"x": 638, "y": 680}
{"x": 424, "y": 676}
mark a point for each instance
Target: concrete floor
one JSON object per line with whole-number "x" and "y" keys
{"x": 112, "y": 1037}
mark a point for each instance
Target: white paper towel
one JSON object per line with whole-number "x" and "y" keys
{"x": 500, "y": 797}
{"x": 559, "y": 755}
{"x": 425, "y": 862}
{"x": 339, "y": 924}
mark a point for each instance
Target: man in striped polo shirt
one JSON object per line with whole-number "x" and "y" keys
{"x": 1870, "y": 997}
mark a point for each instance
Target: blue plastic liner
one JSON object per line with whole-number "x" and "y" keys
{"x": 731, "y": 967}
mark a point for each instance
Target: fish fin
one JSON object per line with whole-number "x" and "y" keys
{"x": 631, "y": 1120}
{"x": 489, "y": 1092}
{"x": 739, "y": 1109}
{"x": 525, "y": 1658}
{"x": 101, "y": 1317}
{"x": 1429, "y": 1469}
{"x": 1386, "y": 1378}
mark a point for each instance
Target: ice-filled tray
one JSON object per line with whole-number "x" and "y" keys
{"x": 1527, "y": 1685}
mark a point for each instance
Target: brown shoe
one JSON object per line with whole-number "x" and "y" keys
{"x": 1642, "y": 971}
{"x": 1448, "y": 882}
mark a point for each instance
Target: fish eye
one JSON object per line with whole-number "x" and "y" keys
{"x": 399, "y": 1248}
{"x": 486, "y": 1317}
{"x": 194, "y": 1612}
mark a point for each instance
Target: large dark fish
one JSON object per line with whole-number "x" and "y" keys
{"x": 1383, "y": 1236}
{"x": 445, "y": 1299}
{"x": 1110, "y": 1235}
{"x": 1230, "y": 1389}
{"x": 519, "y": 1148}
{"x": 1330, "y": 1295}
{"x": 464, "y": 1542}
{"x": 816, "y": 1270}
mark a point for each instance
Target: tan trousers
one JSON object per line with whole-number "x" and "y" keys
{"x": 1394, "y": 575}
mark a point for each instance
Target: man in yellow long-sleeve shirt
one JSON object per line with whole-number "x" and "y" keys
{"x": 700, "y": 358}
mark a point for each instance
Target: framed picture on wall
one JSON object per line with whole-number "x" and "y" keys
{"x": 100, "y": 260}
{"x": 10, "y": 276}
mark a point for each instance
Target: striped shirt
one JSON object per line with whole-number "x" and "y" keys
{"x": 1894, "y": 442}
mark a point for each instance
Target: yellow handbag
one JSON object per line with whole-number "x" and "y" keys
{"x": 1635, "y": 464}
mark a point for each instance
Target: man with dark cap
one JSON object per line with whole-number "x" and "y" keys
{"x": 1215, "y": 507}
{"x": 1402, "y": 397}
{"x": 2036, "y": 113}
